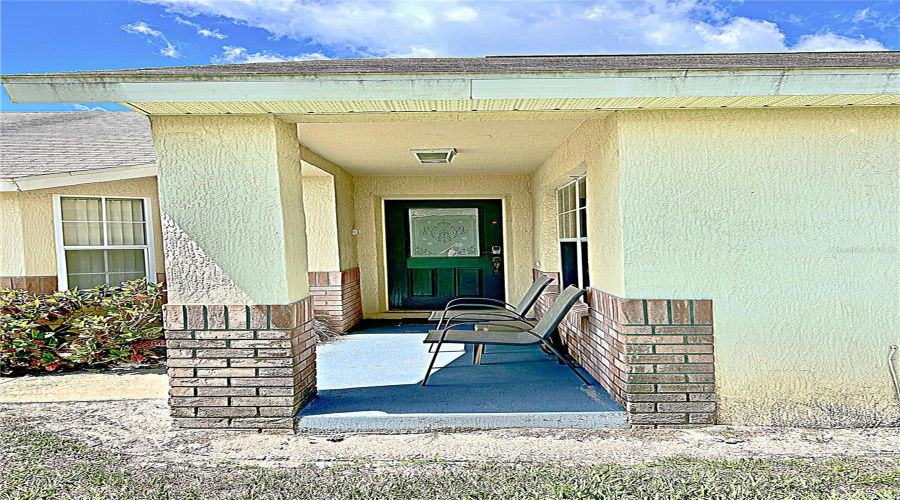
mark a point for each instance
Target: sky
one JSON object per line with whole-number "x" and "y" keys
{"x": 43, "y": 36}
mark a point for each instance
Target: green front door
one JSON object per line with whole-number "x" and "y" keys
{"x": 443, "y": 249}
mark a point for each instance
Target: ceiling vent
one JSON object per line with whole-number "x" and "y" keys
{"x": 434, "y": 155}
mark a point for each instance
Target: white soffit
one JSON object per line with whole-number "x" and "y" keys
{"x": 501, "y": 147}
{"x": 299, "y": 108}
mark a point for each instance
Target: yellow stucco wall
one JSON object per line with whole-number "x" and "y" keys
{"x": 787, "y": 219}
{"x": 592, "y": 149}
{"x": 514, "y": 190}
{"x": 36, "y": 239}
{"x": 230, "y": 190}
{"x": 321, "y": 226}
{"x": 12, "y": 249}
{"x": 345, "y": 208}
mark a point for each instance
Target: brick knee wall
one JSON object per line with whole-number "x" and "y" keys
{"x": 549, "y": 295}
{"x": 240, "y": 366}
{"x": 336, "y": 297}
{"x": 33, "y": 284}
{"x": 655, "y": 357}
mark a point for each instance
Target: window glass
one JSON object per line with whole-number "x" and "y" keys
{"x": 571, "y": 204}
{"x": 115, "y": 229}
{"x": 444, "y": 232}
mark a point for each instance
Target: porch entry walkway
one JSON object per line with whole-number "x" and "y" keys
{"x": 370, "y": 381}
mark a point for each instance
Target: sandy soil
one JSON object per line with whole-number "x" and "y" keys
{"x": 113, "y": 385}
{"x": 142, "y": 429}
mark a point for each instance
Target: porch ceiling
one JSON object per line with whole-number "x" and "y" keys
{"x": 495, "y": 147}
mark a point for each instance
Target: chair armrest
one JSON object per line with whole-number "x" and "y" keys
{"x": 507, "y": 328}
{"x": 479, "y": 301}
{"x": 479, "y": 317}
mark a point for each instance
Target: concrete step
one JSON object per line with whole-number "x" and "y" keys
{"x": 424, "y": 422}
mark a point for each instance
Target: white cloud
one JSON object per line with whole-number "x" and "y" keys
{"x": 832, "y": 42}
{"x": 463, "y": 28}
{"x": 154, "y": 37}
{"x": 170, "y": 51}
{"x": 141, "y": 28}
{"x": 200, "y": 29}
{"x": 211, "y": 34}
{"x": 82, "y": 107}
{"x": 461, "y": 14}
{"x": 861, "y": 15}
{"x": 234, "y": 54}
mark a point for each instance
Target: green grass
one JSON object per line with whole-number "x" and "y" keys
{"x": 40, "y": 465}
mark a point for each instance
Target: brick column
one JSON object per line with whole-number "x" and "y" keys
{"x": 336, "y": 297}
{"x": 240, "y": 366}
{"x": 654, "y": 356}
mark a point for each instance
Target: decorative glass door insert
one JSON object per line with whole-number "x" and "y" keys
{"x": 444, "y": 232}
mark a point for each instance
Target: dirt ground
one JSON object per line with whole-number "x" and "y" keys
{"x": 113, "y": 385}
{"x": 142, "y": 429}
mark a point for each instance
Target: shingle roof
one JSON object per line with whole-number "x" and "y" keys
{"x": 513, "y": 64}
{"x": 56, "y": 143}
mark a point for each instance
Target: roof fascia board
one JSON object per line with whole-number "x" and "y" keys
{"x": 32, "y": 182}
{"x": 617, "y": 84}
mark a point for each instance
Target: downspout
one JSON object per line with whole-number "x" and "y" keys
{"x": 893, "y": 349}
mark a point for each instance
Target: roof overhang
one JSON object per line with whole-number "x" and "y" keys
{"x": 465, "y": 92}
{"x": 32, "y": 182}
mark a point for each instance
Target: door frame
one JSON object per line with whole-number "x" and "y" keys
{"x": 384, "y": 290}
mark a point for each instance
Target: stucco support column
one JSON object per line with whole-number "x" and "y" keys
{"x": 239, "y": 319}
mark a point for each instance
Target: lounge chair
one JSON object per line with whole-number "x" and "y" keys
{"x": 508, "y": 334}
{"x": 483, "y": 309}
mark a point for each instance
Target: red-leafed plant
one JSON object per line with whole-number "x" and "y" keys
{"x": 76, "y": 329}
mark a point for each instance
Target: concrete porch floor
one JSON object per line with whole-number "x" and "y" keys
{"x": 369, "y": 380}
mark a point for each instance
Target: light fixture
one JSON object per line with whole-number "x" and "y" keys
{"x": 434, "y": 155}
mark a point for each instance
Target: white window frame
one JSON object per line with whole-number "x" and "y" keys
{"x": 580, "y": 238}
{"x": 149, "y": 247}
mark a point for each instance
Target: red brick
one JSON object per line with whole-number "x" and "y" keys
{"x": 654, "y": 339}
{"x": 681, "y": 312}
{"x": 237, "y": 317}
{"x": 685, "y": 349}
{"x": 657, "y": 397}
{"x": 684, "y": 330}
{"x": 632, "y": 312}
{"x": 658, "y": 312}
{"x": 703, "y": 313}
{"x": 702, "y": 418}
{"x": 655, "y": 378}
{"x": 259, "y": 317}
{"x": 198, "y": 401}
{"x": 201, "y": 423}
{"x": 658, "y": 418}
{"x": 686, "y": 407}
{"x": 685, "y": 388}
{"x": 685, "y": 368}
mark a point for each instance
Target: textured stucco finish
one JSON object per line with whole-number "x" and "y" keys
{"x": 371, "y": 191}
{"x": 321, "y": 225}
{"x": 345, "y": 208}
{"x": 34, "y": 243}
{"x": 787, "y": 219}
{"x": 230, "y": 190}
{"x": 12, "y": 250}
{"x": 592, "y": 149}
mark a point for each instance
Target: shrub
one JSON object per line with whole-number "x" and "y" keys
{"x": 78, "y": 329}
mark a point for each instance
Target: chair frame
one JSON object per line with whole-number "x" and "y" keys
{"x": 493, "y": 307}
{"x": 538, "y": 339}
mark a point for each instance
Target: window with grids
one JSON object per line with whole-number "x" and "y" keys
{"x": 571, "y": 204}
{"x": 103, "y": 240}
